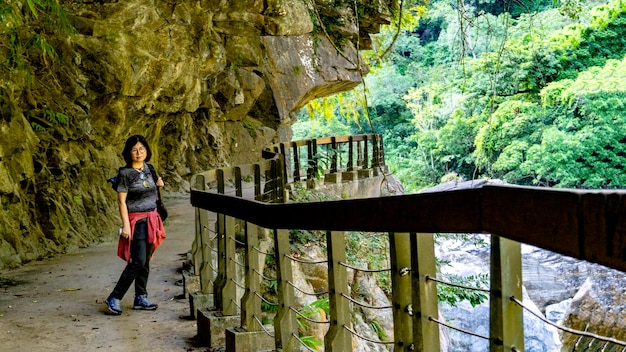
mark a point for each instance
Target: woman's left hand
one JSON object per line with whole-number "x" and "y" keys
{"x": 160, "y": 182}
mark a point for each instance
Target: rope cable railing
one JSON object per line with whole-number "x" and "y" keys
{"x": 241, "y": 265}
{"x": 361, "y": 304}
{"x": 458, "y": 329}
{"x": 238, "y": 284}
{"x": 266, "y": 301}
{"x": 263, "y": 327}
{"x": 263, "y": 276}
{"x": 241, "y": 243}
{"x": 236, "y": 305}
{"x": 260, "y": 251}
{"x": 307, "y": 318}
{"x": 304, "y": 292}
{"x": 367, "y": 338}
{"x": 364, "y": 270}
{"x": 305, "y": 261}
{"x": 428, "y": 277}
{"x": 213, "y": 268}
{"x": 303, "y": 343}
{"x": 210, "y": 230}
{"x": 570, "y": 330}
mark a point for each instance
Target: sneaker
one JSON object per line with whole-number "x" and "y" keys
{"x": 141, "y": 302}
{"x": 113, "y": 304}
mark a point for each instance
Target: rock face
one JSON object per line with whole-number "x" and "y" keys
{"x": 571, "y": 293}
{"x": 209, "y": 83}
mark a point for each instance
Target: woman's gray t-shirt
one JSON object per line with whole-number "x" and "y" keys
{"x": 140, "y": 188}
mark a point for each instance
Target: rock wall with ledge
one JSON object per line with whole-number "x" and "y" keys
{"x": 209, "y": 82}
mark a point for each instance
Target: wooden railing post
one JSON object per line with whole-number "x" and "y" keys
{"x": 278, "y": 182}
{"x": 196, "y": 246}
{"x": 375, "y": 152}
{"x": 337, "y": 339}
{"x": 251, "y": 302}
{"x": 285, "y": 324}
{"x": 312, "y": 158}
{"x": 381, "y": 151}
{"x": 425, "y": 301}
{"x": 220, "y": 227}
{"x": 351, "y": 153}
{"x": 365, "y": 159}
{"x": 224, "y": 291}
{"x": 334, "y": 157}
{"x": 296, "y": 161}
{"x": 506, "y": 317}
{"x": 284, "y": 151}
{"x": 203, "y": 260}
{"x": 401, "y": 290}
{"x": 257, "y": 182}
{"x": 238, "y": 184}
{"x": 359, "y": 156}
{"x": 228, "y": 291}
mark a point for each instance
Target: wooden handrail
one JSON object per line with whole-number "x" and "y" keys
{"x": 587, "y": 225}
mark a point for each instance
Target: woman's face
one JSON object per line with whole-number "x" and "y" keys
{"x": 138, "y": 152}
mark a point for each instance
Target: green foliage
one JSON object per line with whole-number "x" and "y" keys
{"x": 452, "y": 295}
{"x": 311, "y": 342}
{"x": 48, "y": 118}
{"x": 528, "y": 92}
{"x": 378, "y": 329}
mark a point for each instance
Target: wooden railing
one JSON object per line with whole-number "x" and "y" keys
{"x": 336, "y": 158}
{"x": 588, "y": 225}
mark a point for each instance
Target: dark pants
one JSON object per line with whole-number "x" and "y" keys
{"x": 138, "y": 268}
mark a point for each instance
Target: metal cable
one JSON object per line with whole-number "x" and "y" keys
{"x": 570, "y": 330}
{"x": 263, "y": 327}
{"x": 260, "y": 251}
{"x": 305, "y": 261}
{"x": 307, "y": 318}
{"x": 263, "y": 276}
{"x": 302, "y": 343}
{"x": 266, "y": 301}
{"x": 364, "y": 270}
{"x": 368, "y": 339}
{"x": 209, "y": 229}
{"x": 212, "y": 267}
{"x": 238, "y": 242}
{"x": 306, "y": 293}
{"x": 238, "y": 284}
{"x": 458, "y": 329}
{"x": 363, "y": 304}
{"x": 457, "y": 285}
{"x": 236, "y": 305}
{"x": 237, "y": 263}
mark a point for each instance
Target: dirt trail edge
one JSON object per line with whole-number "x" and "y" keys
{"x": 57, "y": 304}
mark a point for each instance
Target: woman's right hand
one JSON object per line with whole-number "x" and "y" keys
{"x": 125, "y": 232}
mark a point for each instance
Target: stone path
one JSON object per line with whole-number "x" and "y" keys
{"x": 58, "y": 305}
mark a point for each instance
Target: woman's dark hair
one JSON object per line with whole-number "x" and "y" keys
{"x": 130, "y": 143}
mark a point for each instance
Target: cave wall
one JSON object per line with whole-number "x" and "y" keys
{"x": 208, "y": 82}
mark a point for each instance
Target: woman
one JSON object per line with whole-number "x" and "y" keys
{"x": 142, "y": 229}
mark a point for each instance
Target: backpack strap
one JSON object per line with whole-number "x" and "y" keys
{"x": 153, "y": 173}
{"x": 154, "y": 177}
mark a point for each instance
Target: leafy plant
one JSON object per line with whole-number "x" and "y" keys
{"x": 378, "y": 329}
{"x": 452, "y": 295}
